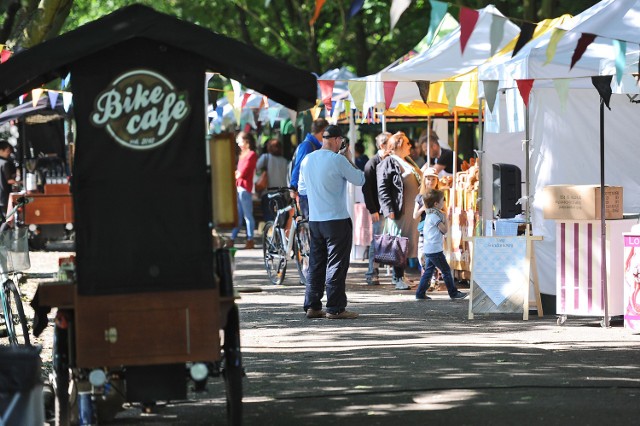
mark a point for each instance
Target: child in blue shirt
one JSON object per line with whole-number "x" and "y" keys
{"x": 435, "y": 227}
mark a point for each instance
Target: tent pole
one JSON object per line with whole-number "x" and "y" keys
{"x": 455, "y": 159}
{"x": 383, "y": 121}
{"x": 603, "y": 223}
{"x": 480, "y": 227}
{"x": 526, "y": 167}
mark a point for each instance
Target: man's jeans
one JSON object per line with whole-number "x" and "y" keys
{"x": 376, "y": 229}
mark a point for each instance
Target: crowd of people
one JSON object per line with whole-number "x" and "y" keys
{"x": 400, "y": 185}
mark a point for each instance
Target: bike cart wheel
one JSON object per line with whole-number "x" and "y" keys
{"x": 60, "y": 373}
{"x": 302, "y": 250}
{"x": 275, "y": 260}
{"x": 233, "y": 370}
{"x": 15, "y": 319}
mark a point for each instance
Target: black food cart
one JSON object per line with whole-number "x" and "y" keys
{"x": 149, "y": 295}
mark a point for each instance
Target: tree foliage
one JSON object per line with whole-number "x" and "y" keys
{"x": 279, "y": 27}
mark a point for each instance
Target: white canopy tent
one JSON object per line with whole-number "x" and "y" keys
{"x": 565, "y": 146}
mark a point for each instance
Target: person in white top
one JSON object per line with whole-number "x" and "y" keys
{"x": 324, "y": 174}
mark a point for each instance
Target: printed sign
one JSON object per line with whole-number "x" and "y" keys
{"x": 632, "y": 281}
{"x": 141, "y": 109}
{"x": 499, "y": 266}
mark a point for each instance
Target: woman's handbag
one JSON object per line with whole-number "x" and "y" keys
{"x": 263, "y": 182}
{"x": 390, "y": 249}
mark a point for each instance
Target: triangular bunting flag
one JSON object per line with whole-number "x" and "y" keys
{"x": 562, "y": 88}
{"x": 490, "y": 93}
{"x": 423, "y": 88}
{"x": 326, "y": 90}
{"x": 315, "y": 112}
{"x": 585, "y": 40}
{"x": 556, "y": 35}
{"x": 66, "y": 100}
{"x": 524, "y": 87}
{"x": 21, "y": 98}
{"x": 228, "y": 94}
{"x": 219, "y": 111}
{"x": 603, "y": 84}
{"x": 245, "y": 98}
{"x": 620, "y": 49}
{"x": 273, "y": 114}
{"x": 316, "y": 13}
{"x": 237, "y": 112}
{"x": 4, "y": 55}
{"x": 293, "y": 116}
{"x": 438, "y": 10}
{"x": 397, "y": 9}
{"x": 357, "y": 90}
{"x": 389, "y": 90}
{"x": 265, "y": 102}
{"x": 335, "y": 113}
{"x": 468, "y": 19}
{"x": 526, "y": 34}
{"x": 53, "y": 98}
{"x": 355, "y": 7}
{"x": 35, "y": 96}
{"x": 496, "y": 32}
{"x": 451, "y": 89}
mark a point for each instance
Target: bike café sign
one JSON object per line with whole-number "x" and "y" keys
{"x": 140, "y": 109}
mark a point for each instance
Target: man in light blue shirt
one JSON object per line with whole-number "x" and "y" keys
{"x": 324, "y": 174}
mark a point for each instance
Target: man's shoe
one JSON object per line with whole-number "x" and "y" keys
{"x": 459, "y": 295}
{"x": 423, "y": 297}
{"x": 315, "y": 313}
{"x": 250, "y": 244}
{"x": 342, "y": 315}
{"x": 400, "y": 284}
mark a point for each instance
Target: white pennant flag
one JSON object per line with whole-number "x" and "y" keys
{"x": 397, "y": 9}
{"x": 66, "y": 100}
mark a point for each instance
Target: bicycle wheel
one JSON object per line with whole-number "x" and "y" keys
{"x": 275, "y": 260}
{"x": 15, "y": 319}
{"x": 302, "y": 250}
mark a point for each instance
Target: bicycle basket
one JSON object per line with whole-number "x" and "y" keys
{"x": 280, "y": 202}
{"x": 14, "y": 250}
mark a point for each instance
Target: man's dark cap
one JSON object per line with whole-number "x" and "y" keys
{"x": 332, "y": 132}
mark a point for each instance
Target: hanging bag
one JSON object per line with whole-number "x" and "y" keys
{"x": 263, "y": 181}
{"x": 390, "y": 248}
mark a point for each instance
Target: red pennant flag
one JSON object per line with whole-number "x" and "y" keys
{"x": 245, "y": 98}
{"x": 319, "y": 4}
{"x": 524, "y": 86}
{"x": 389, "y": 90}
{"x": 585, "y": 40}
{"x": 468, "y": 20}
{"x": 326, "y": 89}
{"x": 6, "y": 54}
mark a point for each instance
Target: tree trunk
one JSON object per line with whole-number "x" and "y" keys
{"x": 39, "y": 21}
{"x": 362, "y": 51}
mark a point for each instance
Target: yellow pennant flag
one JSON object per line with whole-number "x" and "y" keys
{"x": 357, "y": 90}
{"x": 451, "y": 89}
{"x": 556, "y": 35}
{"x": 35, "y": 96}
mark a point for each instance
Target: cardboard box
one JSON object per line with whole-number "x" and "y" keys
{"x": 581, "y": 202}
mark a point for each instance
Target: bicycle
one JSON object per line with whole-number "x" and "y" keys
{"x": 279, "y": 244}
{"x": 14, "y": 258}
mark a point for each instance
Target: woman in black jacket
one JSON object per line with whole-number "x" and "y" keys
{"x": 398, "y": 185}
